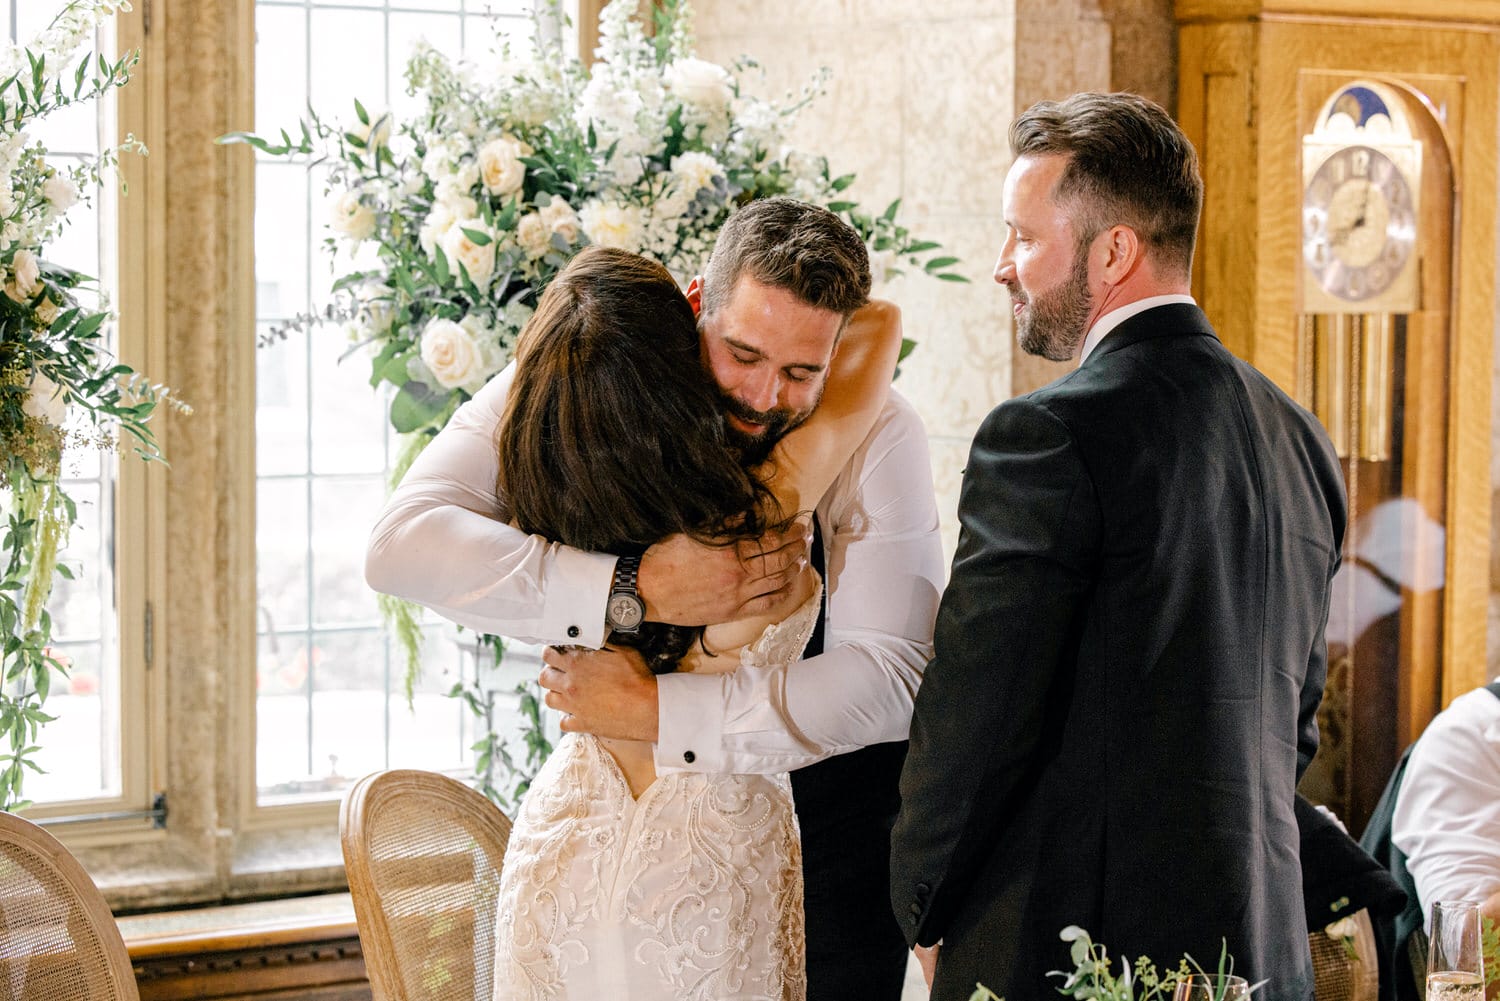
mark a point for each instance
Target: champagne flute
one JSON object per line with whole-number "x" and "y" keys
{"x": 1212, "y": 987}
{"x": 1455, "y": 966}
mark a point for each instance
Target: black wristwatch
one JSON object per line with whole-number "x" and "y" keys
{"x": 625, "y": 609}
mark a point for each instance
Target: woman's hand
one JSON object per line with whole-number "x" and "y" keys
{"x": 685, "y": 582}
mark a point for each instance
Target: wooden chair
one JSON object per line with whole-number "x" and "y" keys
{"x": 58, "y": 940}
{"x": 1339, "y": 977}
{"x": 422, "y": 853}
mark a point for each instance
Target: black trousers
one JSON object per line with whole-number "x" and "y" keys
{"x": 845, "y": 808}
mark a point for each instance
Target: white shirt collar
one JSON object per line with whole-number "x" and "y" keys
{"x": 1109, "y": 321}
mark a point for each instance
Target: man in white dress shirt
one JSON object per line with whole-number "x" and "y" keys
{"x": 1447, "y": 817}
{"x": 838, "y": 719}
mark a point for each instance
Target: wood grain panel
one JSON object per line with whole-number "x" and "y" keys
{"x": 1476, "y": 11}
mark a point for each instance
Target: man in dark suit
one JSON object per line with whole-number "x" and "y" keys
{"x": 1129, "y": 653}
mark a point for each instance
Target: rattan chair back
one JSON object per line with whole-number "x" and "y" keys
{"x": 58, "y": 939}
{"x": 1346, "y": 972}
{"x": 422, "y": 853}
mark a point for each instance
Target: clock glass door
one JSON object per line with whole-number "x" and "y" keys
{"x": 1373, "y": 351}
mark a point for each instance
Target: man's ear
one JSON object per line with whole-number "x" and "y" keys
{"x": 694, "y": 294}
{"x": 1120, "y": 253}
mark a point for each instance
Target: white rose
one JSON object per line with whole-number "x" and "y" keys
{"x": 492, "y": 354}
{"x": 61, "y": 192}
{"x": 1342, "y": 928}
{"x": 450, "y": 353}
{"x": 440, "y": 220}
{"x": 610, "y": 224}
{"x": 26, "y": 273}
{"x": 534, "y": 235}
{"x": 700, "y": 84}
{"x": 462, "y": 251}
{"x": 610, "y": 105}
{"x": 500, "y": 165}
{"x": 458, "y": 186}
{"x": 352, "y": 217}
{"x": 561, "y": 219}
{"x": 46, "y": 400}
{"x": 695, "y": 171}
{"x": 409, "y": 187}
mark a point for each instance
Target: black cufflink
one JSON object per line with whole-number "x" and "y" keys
{"x": 573, "y": 632}
{"x": 689, "y": 757}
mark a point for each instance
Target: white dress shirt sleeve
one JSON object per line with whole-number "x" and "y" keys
{"x": 884, "y": 572}
{"x": 441, "y": 542}
{"x": 1447, "y": 817}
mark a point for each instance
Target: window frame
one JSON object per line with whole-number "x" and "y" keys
{"x": 186, "y": 533}
{"x": 136, "y": 525}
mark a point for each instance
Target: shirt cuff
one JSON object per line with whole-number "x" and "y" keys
{"x": 690, "y": 723}
{"x": 575, "y": 593}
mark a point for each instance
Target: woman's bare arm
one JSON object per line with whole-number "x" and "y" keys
{"x": 805, "y": 463}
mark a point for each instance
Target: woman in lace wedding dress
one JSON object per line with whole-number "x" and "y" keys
{"x": 620, "y": 883}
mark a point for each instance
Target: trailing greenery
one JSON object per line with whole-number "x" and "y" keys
{"x": 54, "y": 357}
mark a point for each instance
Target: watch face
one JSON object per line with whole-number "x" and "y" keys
{"x": 625, "y": 611}
{"x": 1358, "y": 223}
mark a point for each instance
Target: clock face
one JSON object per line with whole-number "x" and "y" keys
{"x": 1358, "y": 223}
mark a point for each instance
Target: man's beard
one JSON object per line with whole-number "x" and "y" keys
{"x": 755, "y": 449}
{"x": 1055, "y": 321}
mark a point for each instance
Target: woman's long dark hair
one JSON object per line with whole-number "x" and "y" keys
{"x": 613, "y": 437}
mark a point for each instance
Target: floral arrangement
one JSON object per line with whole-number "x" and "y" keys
{"x": 471, "y": 207}
{"x": 1093, "y": 979}
{"x": 54, "y": 360}
{"x": 463, "y": 213}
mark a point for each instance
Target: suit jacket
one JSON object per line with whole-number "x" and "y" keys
{"x": 1128, "y": 661}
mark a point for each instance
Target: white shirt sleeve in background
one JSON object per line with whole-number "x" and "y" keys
{"x": 1447, "y": 817}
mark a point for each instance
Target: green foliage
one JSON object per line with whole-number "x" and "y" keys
{"x": 54, "y": 355}
{"x": 1093, "y": 977}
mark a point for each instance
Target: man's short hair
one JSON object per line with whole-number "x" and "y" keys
{"x": 1128, "y": 164}
{"x": 791, "y": 245}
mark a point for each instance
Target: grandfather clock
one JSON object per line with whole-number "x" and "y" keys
{"x": 1348, "y": 250}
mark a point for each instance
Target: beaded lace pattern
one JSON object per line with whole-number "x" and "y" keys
{"x": 693, "y": 892}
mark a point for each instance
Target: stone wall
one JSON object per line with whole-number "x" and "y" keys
{"x": 918, "y": 106}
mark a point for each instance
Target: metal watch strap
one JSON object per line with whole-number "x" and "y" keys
{"x": 627, "y": 569}
{"x": 626, "y": 608}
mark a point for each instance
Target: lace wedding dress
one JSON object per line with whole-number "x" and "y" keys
{"x": 693, "y": 892}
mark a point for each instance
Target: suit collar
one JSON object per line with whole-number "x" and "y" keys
{"x": 1171, "y": 320}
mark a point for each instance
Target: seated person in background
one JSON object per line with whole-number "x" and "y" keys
{"x": 1447, "y": 815}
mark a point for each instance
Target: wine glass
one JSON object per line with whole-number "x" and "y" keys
{"x": 1212, "y": 987}
{"x": 1455, "y": 967}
